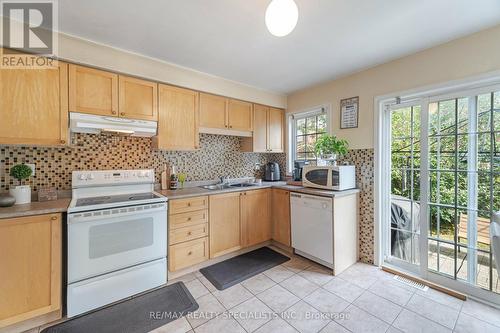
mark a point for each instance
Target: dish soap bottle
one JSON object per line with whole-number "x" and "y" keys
{"x": 174, "y": 180}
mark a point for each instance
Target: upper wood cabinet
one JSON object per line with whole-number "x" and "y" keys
{"x": 224, "y": 222}
{"x": 30, "y": 253}
{"x": 104, "y": 93}
{"x": 281, "y": 216}
{"x": 255, "y": 217}
{"x": 226, "y": 114}
{"x": 239, "y": 115}
{"x": 213, "y": 111}
{"x": 34, "y": 106}
{"x": 93, "y": 91}
{"x": 138, "y": 98}
{"x": 178, "y": 119}
{"x": 268, "y": 131}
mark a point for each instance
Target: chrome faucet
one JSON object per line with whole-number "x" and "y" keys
{"x": 223, "y": 179}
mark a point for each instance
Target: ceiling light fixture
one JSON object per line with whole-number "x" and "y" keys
{"x": 281, "y": 17}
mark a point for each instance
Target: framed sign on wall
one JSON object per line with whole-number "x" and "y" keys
{"x": 349, "y": 109}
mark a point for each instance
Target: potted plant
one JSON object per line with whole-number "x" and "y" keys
{"x": 329, "y": 148}
{"x": 22, "y": 193}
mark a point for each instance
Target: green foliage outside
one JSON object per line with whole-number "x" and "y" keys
{"x": 448, "y": 135}
{"x": 329, "y": 144}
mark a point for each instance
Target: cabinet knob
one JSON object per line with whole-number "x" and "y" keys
{"x": 189, "y": 233}
{"x": 63, "y": 141}
{"x": 189, "y": 204}
{"x": 190, "y": 253}
{"x": 189, "y": 219}
{"x": 122, "y": 114}
{"x": 230, "y": 126}
{"x": 113, "y": 112}
{"x": 53, "y": 218}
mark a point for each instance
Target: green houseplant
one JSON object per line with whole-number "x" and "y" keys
{"x": 22, "y": 193}
{"x": 328, "y": 147}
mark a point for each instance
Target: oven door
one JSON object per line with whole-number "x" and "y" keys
{"x": 107, "y": 240}
{"x": 316, "y": 177}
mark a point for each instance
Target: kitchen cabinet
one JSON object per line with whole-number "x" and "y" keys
{"x": 224, "y": 221}
{"x": 137, "y": 98}
{"x": 178, "y": 119}
{"x": 268, "y": 131}
{"x": 30, "y": 253}
{"x": 281, "y": 216}
{"x": 187, "y": 232}
{"x": 221, "y": 115}
{"x": 93, "y": 91}
{"x": 255, "y": 217}
{"x": 34, "y": 106}
{"x": 105, "y": 93}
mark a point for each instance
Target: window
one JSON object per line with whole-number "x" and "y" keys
{"x": 305, "y": 129}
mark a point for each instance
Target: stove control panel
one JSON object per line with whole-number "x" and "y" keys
{"x": 108, "y": 177}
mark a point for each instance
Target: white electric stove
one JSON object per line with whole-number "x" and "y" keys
{"x": 117, "y": 244}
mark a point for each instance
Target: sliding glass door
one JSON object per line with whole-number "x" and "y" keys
{"x": 444, "y": 184}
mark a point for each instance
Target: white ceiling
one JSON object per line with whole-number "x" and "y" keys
{"x": 228, "y": 38}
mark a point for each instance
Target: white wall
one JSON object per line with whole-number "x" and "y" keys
{"x": 468, "y": 56}
{"x": 85, "y": 52}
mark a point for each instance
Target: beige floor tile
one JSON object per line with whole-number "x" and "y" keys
{"x": 326, "y": 302}
{"x": 278, "y": 273}
{"x": 358, "y": 276}
{"x": 299, "y": 286}
{"x": 258, "y": 283}
{"x": 278, "y": 298}
{"x": 207, "y": 284}
{"x": 276, "y": 325}
{"x": 221, "y": 324}
{"x": 469, "y": 324}
{"x": 196, "y": 288}
{"x": 232, "y": 296}
{"x": 378, "y": 306}
{"x": 482, "y": 312}
{"x": 209, "y": 308}
{"x": 252, "y": 314}
{"x": 334, "y": 327}
{"x": 391, "y": 292}
{"x": 317, "y": 275}
{"x": 434, "y": 311}
{"x": 304, "y": 318}
{"x": 410, "y": 322}
{"x": 180, "y": 325}
{"x": 184, "y": 278}
{"x": 358, "y": 320}
{"x": 344, "y": 289}
{"x": 442, "y": 298}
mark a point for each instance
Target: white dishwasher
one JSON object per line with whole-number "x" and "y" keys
{"x": 312, "y": 227}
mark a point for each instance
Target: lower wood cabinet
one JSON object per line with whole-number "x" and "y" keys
{"x": 188, "y": 253}
{"x": 225, "y": 231}
{"x": 281, "y": 216}
{"x": 255, "y": 217}
{"x": 30, "y": 269}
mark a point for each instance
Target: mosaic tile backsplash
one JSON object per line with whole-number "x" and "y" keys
{"x": 218, "y": 155}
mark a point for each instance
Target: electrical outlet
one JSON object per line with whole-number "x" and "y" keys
{"x": 32, "y": 166}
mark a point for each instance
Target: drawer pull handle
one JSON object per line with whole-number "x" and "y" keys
{"x": 190, "y": 233}
{"x": 189, "y": 219}
{"x": 189, "y": 204}
{"x": 53, "y": 218}
{"x": 122, "y": 114}
{"x": 190, "y": 253}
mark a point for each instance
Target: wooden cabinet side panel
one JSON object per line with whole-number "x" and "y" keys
{"x": 345, "y": 232}
{"x": 224, "y": 223}
{"x": 281, "y": 216}
{"x": 30, "y": 252}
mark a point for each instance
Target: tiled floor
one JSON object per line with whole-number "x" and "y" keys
{"x": 300, "y": 296}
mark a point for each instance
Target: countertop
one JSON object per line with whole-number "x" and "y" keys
{"x": 198, "y": 191}
{"x": 35, "y": 208}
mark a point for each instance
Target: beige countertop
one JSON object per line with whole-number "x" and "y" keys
{"x": 189, "y": 192}
{"x": 35, "y": 208}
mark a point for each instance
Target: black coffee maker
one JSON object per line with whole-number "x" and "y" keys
{"x": 297, "y": 169}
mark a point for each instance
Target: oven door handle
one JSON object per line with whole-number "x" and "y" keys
{"x": 115, "y": 212}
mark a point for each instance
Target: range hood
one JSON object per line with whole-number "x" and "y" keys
{"x": 93, "y": 124}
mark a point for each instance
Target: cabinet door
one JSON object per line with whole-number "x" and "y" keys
{"x": 260, "y": 128}
{"x": 224, "y": 221}
{"x": 213, "y": 111}
{"x": 138, "y": 99}
{"x": 30, "y": 253}
{"x": 93, "y": 91}
{"x": 281, "y": 216}
{"x": 255, "y": 217}
{"x": 240, "y": 115}
{"x": 177, "y": 119}
{"x": 34, "y": 106}
{"x": 275, "y": 130}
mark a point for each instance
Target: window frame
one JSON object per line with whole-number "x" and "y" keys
{"x": 292, "y": 129}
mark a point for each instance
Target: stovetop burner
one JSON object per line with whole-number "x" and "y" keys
{"x": 115, "y": 199}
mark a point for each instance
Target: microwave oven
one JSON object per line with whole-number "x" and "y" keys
{"x": 336, "y": 178}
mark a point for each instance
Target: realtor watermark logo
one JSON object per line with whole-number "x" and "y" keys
{"x": 28, "y": 33}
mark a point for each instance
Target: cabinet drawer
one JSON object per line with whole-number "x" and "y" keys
{"x": 187, "y": 254}
{"x": 188, "y": 233}
{"x": 188, "y": 205}
{"x": 186, "y": 219}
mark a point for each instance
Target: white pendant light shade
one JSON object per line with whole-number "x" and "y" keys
{"x": 281, "y": 17}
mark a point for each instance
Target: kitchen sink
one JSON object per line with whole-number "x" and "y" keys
{"x": 224, "y": 186}
{"x": 242, "y": 185}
